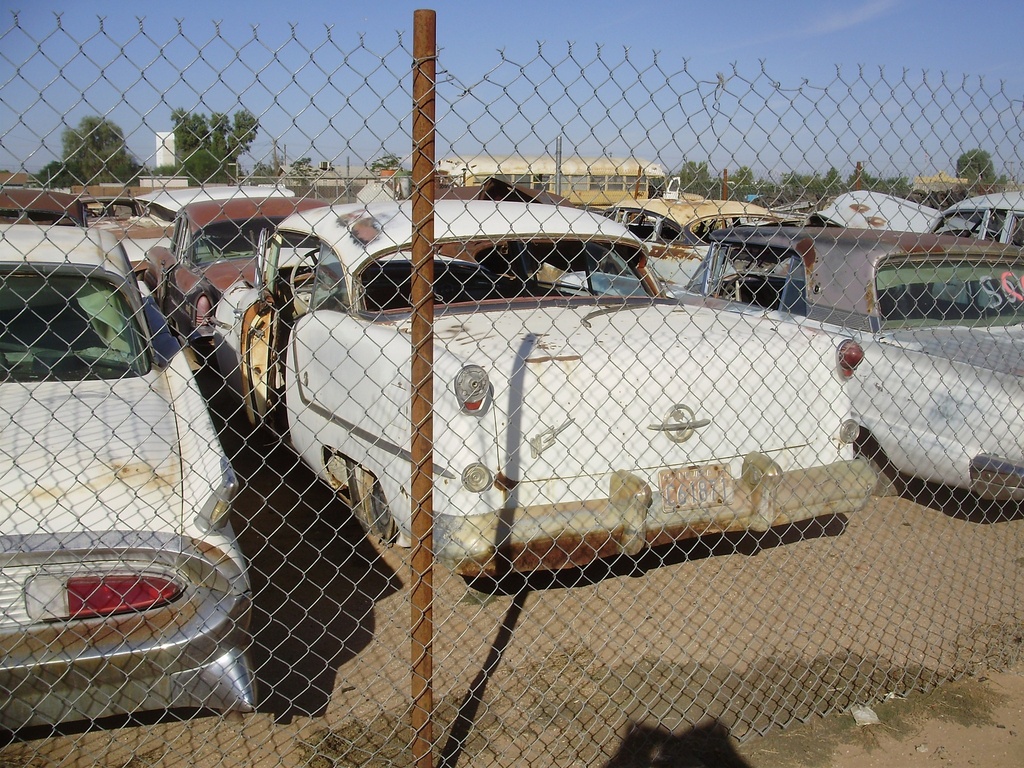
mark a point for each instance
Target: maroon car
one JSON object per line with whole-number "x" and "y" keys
{"x": 213, "y": 244}
{"x": 41, "y": 206}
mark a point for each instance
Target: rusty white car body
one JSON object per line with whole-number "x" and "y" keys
{"x": 940, "y": 393}
{"x": 677, "y": 230}
{"x": 577, "y": 414}
{"x": 122, "y": 586}
{"x": 866, "y": 209}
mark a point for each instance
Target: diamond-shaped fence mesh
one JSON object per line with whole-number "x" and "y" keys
{"x": 723, "y": 412}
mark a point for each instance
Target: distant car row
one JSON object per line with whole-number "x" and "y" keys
{"x": 678, "y": 230}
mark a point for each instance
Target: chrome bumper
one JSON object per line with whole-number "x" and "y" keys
{"x": 548, "y": 537}
{"x": 996, "y": 478}
{"x": 208, "y": 671}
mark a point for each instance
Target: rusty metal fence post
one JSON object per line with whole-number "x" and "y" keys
{"x": 424, "y": 68}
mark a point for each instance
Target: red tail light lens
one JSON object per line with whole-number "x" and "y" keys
{"x": 849, "y": 356}
{"x": 108, "y": 595}
{"x": 204, "y": 311}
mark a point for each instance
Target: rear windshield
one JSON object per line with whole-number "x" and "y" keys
{"x": 951, "y": 293}
{"x": 70, "y": 328}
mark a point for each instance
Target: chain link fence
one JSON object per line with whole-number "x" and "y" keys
{"x": 660, "y": 526}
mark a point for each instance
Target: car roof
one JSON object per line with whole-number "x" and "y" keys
{"x": 684, "y": 212}
{"x": 47, "y": 201}
{"x": 453, "y": 220}
{"x": 207, "y": 212}
{"x": 171, "y": 200}
{"x": 1002, "y": 200}
{"x": 868, "y": 209}
{"x": 56, "y": 246}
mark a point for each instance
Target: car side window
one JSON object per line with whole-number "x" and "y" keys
{"x": 178, "y": 236}
{"x": 330, "y": 288}
{"x": 1017, "y": 230}
{"x": 794, "y": 292}
{"x": 670, "y": 231}
{"x": 962, "y": 224}
{"x": 994, "y": 226}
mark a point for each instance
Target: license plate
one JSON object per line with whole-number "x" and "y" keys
{"x": 704, "y": 486}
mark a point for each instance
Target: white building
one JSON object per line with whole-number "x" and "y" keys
{"x": 165, "y": 154}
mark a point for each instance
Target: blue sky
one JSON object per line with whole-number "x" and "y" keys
{"x": 665, "y": 80}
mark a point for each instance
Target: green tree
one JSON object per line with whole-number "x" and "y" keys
{"x": 303, "y": 168}
{"x": 742, "y": 183}
{"x": 900, "y": 186}
{"x": 976, "y": 166}
{"x": 696, "y": 179}
{"x": 95, "y": 153}
{"x": 263, "y": 169}
{"x": 386, "y": 162}
{"x": 56, "y": 174}
{"x": 209, "y": 146}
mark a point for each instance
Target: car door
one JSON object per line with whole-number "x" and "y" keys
{"x": 260, "y": 336}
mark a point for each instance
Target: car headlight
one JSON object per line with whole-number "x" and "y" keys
{"x": 214, "y": 513}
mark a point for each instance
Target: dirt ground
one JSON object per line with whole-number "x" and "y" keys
{"x": 977, "y": 721}
{"x": 724, "y": 652}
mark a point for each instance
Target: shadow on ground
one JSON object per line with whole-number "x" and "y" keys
{"x": 960, "y": 504}
{"x": 315, "y": 576}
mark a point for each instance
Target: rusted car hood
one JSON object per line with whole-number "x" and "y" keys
{"x": 88, "y": 456}
{"x": 998, "y": 349}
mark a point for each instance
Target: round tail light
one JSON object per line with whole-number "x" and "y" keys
{"x": 849, "y": 356}
{"x": 204, "y": 310}
{"x": 472, "y": 388}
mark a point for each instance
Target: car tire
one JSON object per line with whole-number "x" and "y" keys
{"x": 889, "y": 480}
{"x": 369, "y": 506}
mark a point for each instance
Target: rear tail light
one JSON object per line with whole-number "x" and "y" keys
{"x": 107, "y": 595}
{"x": 473, "y": 389}
{"x": 849, "y": 356}
{"x": 58, "y": 597}
{"x": 204, "y": 310}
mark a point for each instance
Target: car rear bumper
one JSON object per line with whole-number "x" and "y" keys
{"x": 996, "y": 478}
{"x": 57, "y": 684}
{"x": 633, "y": 516}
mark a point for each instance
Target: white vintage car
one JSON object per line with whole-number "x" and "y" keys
{"x": 122, "y": 586}
{"x": 939, "y": 394}
{"x": 998, "y": 217}
{"x": 576, "y": 414}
